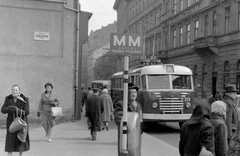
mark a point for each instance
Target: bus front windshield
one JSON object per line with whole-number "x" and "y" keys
{"x": 158, "y": 82}
{"x": 181, "y": 82}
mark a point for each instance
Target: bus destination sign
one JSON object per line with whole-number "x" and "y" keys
{"x": 126, "y": 43}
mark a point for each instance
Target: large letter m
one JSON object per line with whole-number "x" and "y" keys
{"x": 117, "y": 42}
{"x": 135, "y": 43}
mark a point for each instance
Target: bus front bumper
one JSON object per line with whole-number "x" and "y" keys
{"x": 166, "y": 117}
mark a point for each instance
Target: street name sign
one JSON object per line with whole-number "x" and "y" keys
{"x": 126, "y": 43}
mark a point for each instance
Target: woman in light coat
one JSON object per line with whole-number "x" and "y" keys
{"x": 48, "y": 99}
{"x": 108, "y": 108}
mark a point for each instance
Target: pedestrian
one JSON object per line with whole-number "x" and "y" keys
{"x": 197, "y": 133}
{"x": 94, "y": 109}
{"x": 132, "y": 106}
{"x": 83, "y": 96}
{"x": 217, "y": 119}
{"x": 48, "y": 100}
{"x": 218, "y": 96}
{"x": 232, "y": 115}
{"x": 16, "y": 102}
{"x": 211, "y": 99}
{"x": 108, "y": 108}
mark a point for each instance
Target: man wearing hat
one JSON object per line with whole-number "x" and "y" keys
{"x": 94, "y": 109}
{"x": 232, "y": 116}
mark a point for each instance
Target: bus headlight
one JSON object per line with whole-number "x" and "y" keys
{"x": 154, "y": 105}
{"x": 188, "y": 105}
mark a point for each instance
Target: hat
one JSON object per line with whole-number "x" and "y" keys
{"x": 48, "y": 84}
{"x": 132, "y": 86}
{"x": 230, "y": 88}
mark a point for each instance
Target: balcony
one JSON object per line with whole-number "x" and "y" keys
{"x": 206, "y": 46}
{"x": 162, "y": 54}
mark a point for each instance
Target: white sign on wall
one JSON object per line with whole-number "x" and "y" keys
{"x": 41, "y": 36}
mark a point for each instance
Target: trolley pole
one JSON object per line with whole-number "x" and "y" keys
{"x": 125, "y": 101}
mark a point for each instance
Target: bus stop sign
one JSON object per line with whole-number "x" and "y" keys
{"x": 126, "y": 43}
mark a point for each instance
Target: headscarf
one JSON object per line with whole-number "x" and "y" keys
{"x": 201, "y": 111}
{"x": 105, "y": 91}
{"x": 219, "y": 108}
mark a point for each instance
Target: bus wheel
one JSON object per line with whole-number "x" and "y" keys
{"x": 180, "y": 124}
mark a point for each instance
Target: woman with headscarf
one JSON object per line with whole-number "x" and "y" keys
{"x": 197, "y": 133}
{"x": 218, "y": 118}
{"x": 108, "y": 108}
{"x": 16, "y": 102}
{"x": 48, "y": 99}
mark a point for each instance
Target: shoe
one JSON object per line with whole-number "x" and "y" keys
{"x": 107, "y": 128}
{"x": 103, "y": 128}
{"x": 49, "y": 140}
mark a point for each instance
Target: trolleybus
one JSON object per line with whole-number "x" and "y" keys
{"x": 101, "y": 83}
{"x": 166, "y": 91}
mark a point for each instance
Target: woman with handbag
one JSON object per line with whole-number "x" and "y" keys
{"x": 14, "y": 104}
{"x": 47, "y": 101}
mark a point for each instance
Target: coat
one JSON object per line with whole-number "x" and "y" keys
{"x": 197, "y": 132}
{"x": 118, "y": 111}
{"x": 232, "y": 115}
{"x": 94, "y": 109}
{"x": 12, "y": 144}
{"x": 107, "y": 106}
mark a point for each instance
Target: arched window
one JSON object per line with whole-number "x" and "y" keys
{"x": 214, "y": 78}
{"x": 204, "y": 79}
{"x": 226, "y": 74}
{"x": 206, "y": 25}
{"x": 214, "y": 31}
{"x": 195, "y": 79}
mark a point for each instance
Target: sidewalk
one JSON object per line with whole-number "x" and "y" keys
{"x": 73, "y": 139}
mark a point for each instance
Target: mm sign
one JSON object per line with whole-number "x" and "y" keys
{"x": 126, "y": 43}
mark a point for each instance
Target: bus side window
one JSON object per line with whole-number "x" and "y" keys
{"x": 138, "y": 81}
{"x": 132, "y": 80}
{"x": 144, "y": 85}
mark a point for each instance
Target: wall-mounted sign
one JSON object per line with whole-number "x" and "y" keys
{"x": 41, "y": 36}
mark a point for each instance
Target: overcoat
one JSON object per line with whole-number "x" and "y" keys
{"x": 12, "y": 143}
{"x": 94, "y": 109}
{"x": 107, "y": 106}
{"x": 232, "y": 115}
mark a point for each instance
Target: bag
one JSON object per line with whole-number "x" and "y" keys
{"x": 205, "y": 152}
{"x": 17, "y": 124}
{"x": 22, "y": 134}
{"x": 234, "y": 146}
{"x": 56, "y": 111}
{"x": 112, "y": 116}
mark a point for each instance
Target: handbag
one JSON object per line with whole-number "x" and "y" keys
{"x": 56, "y": 111}
{"x": 205, "y": 152}
{"x": 18, "y": 123}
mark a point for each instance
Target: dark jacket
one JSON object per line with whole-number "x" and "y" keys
{"x": 94, "y": 109}
{"x": 220, "y": 135}
{"x": 12, "y": 144}
{"x": 118, "y": 111}
{"x": 197, "y": 132}
{"x": 232, "y": 115}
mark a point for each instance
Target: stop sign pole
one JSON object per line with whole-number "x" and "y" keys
{"x": 125, "y": 105}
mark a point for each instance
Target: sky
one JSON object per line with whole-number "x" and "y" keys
{"x": 102, "y": 13}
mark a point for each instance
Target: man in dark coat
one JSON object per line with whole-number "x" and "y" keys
{"x": 94, "y": 109}
{"x": 232, "y": 115}
{"x": 197, "y": 132}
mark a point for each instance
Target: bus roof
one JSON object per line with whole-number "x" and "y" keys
{"x": 158, "y": 69}
{"x": 101, "y": 81}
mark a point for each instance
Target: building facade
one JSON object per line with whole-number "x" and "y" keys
{"x": 39, "y": 43}
{"x": 201, "y": 34}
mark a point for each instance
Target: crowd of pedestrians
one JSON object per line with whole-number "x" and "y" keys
{"x": 213, "y": 128}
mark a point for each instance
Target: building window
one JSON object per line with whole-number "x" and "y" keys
{"x": 204, "y": 79}
{"x": 181, "y": 36}
{"x": 188, "y": 34}
{"x": 238, "y": 15}
{"x": 196, "y": 29}
{"x": 140, "y": 5}
{"x": 214, "y": 23}
{"x": 159, "y": 42}
{"x": 195, "y": 79}
{"x": 189, "y": 2}
{"x": 133, "y": 10}
{"x": 166, "y": 40}
{"x": 160, "y": 14}
{"x": 174, "y": 7}
{"x": 227, "y": 19}
{"x": 226, "y": 74}
{"x": 238, "y": 76}
{"x": 206, "y": 26}
{"x": 181, "y": 5}
{"x": 174, "y": 38}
